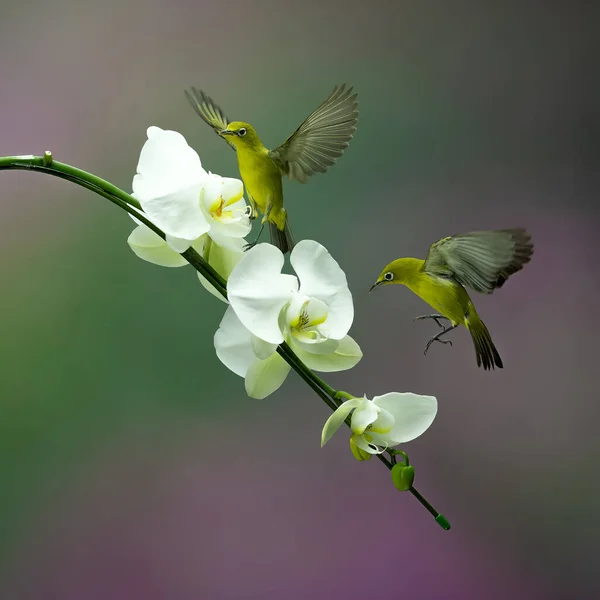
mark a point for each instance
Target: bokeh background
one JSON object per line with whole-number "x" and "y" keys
{"x": 131, "y": 463}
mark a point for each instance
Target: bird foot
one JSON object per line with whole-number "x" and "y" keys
{"x": 437, "y": 336}
{"x": 435, "y": 317}
{"x": 436, "y": 339}
{"x": 249, "y": 246}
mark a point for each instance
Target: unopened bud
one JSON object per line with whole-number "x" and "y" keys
{"x": 358, "y": 453}
{"x": 403, "y": 476}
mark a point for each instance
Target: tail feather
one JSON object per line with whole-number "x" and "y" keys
{"x": 485, "y": 351}
{"x": 282, "y": 239}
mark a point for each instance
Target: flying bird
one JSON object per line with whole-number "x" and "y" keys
{"x": 480, "y": 260}
{"x": 314, "y": 147}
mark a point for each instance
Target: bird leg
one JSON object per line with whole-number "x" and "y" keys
{"x": 435, "y": 317}
{"x": 262, "y": 226}
{"x": 437, "y": 336}
{"x": 252, "y": 244}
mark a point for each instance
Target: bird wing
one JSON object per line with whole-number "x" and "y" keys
{"x": 481, "y": 260}
{"x": 321, "y": 139}
{"x": 208, "y": 111}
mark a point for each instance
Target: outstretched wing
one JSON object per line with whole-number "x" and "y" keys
{"x": 321, "y": 139}
{"x": 481, "y": 260}
{"x": 208, "y": 111}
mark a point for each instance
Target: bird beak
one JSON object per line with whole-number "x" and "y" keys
{"x": 376, "y": 284}
{"x": 226, "y": 132}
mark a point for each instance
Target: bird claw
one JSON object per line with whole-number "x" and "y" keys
{"x": 249, "y": 246}
{"x": 436, "y": 318}
{"x": 436, "y": 339}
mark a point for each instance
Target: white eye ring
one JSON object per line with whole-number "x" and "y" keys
{"x": 241, "y": 131}
{"x": 388, "y": 276}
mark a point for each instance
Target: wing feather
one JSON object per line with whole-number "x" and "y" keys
{"x": 208, "y": 111}
{"x": 481, "y": 260}
{"x": 322, "y": 137}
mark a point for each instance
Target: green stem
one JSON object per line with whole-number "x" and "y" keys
{"x": 47, "y": 165}
{"x": 288, "y": 355}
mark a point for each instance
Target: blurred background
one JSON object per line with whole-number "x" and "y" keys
{"x": 132, "y": 465}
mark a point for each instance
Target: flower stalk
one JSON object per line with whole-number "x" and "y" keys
{"x": 333, "y": 398}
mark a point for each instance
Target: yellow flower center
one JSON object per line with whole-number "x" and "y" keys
{"x": 217, "y": 208}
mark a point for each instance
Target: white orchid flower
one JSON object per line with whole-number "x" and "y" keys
{"x": 194, "y": 208}
{"x": 312, "y": 312}
{"x": 383, "y": 422}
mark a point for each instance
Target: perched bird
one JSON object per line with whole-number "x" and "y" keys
{"x": 312, "y": 148}
{"x": 480, "y": 260}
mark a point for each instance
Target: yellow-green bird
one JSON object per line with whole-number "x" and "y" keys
{"x": 480, "y": 260}
{"x": 312, "y": 148}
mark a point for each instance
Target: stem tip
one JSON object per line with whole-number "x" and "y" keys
{"x": 443, "y": 522}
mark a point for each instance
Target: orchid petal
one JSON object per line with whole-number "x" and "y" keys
{"x": 233, "y": 344}
{"x": 344, "y": 357}
{"x": 321, "y": 277}
{"x": 262, "y": 349}
{"x": 223, "y": 261}
{"x": 257, "y": 291}
{"x": 413, "y": 414}
{"x": 363, "y": 416}
{"x": 178, "y": 213}
{"x": 151, "y": 247}
{"x": 364, "y": 444}
{"x": 166, "y": 164}
{"x": 383, "y": 424}
{"x": 337, "y": 418}
{"x": 266, "y": 376}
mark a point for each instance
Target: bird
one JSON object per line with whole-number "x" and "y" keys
{"x": 479, "y": 260}
{"x": 314, "y": 147}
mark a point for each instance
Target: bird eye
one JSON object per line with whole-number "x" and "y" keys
{"x": 241, "y": 131}
{"x": 388, "y": 276}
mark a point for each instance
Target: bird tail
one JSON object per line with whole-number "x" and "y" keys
{"x": 282, "y": 239}
{"x": 486, "y": 352}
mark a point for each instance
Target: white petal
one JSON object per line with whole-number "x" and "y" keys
{"x": 258, "y": 291}
{"x": 262, "y": 349}
{"x": 233, "y": 344}
{"x": 363, "y": 416}
{"x": 337, "y": 418}
{"x": 178, "y": 245}
{"x": 151, "y": 247}
{"x": 322, "y": 346}
{"x": 266, "y": 376}
{"x": 346, "y": 356}
{"x": 226, "y": 188}
{"x": 383, "y": 424}
{"x": 166, "y": 164}
{"x": 321, "y": 277}
{"x": 219, "y": 233}
{"x": 413, "y": 414}
{"x": 223, "y": 261}
{"x": 178, "y": 213}
{"x": 367, "y": 446}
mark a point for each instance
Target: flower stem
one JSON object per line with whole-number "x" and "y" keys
{"x": 288, "y": 355}
{"x": 47, "y": 165}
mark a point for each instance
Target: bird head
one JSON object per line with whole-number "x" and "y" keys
{"x": 241, "y": 134}
{"x": 393, "y": 273}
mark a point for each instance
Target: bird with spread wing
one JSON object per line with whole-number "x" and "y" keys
{"x": 314, "y": 147}
{"x": 480, "y": 260}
